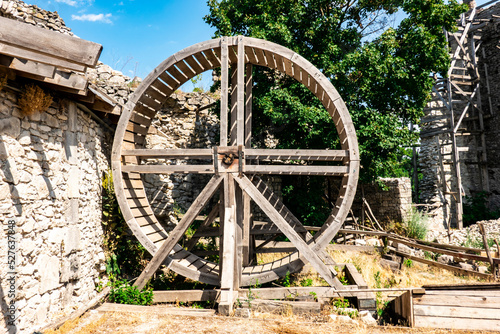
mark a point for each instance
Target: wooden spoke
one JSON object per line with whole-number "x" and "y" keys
{"x": 297, "y": 170}
{"x": 287, "y": 154}
{"x": 206, "y": 153}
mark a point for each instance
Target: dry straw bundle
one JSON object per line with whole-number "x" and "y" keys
{"x": 33, "y": 99}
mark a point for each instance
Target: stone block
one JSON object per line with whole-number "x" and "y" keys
{"x": 70, "y": 269}
{"x": 10, "y": 126}
{"x": 72, "y": 240}
{"x": 48, "y": 268}
{"x": 445, "y": 259}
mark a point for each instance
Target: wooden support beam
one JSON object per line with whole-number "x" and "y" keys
{"x": 240, "y": 93}
{"x": 174, "y": 236}
{"x": 73, "y": 81}
{"x": 223, "y": 91}
{"x": 230, "y": 278}
{"x": 27, "y": 66}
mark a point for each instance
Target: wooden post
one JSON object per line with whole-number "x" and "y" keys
{"x": 487, "y": 247}
{"x": 229, "y": 280}
{"x": 223, "y": 91}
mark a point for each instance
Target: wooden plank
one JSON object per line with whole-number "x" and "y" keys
{"x": 456, "y": 323}
{"x": 251, "y": 55}
{"x": 210, "y": 55}
{"x": 157, "y": 310}
{"x": 206, "y": 223}
{"x": 173, "y": 296}
{"x": 178, "y": 231}
{"x": 201, "y": 153}
{"x": 169, "y": 169}
{"x": 162, "y": 87}
{"x": 200, "y": 57}
{"x": 48, "y": 43}
{"x": 296, "y": 170}
{"x": 296, "y": 154}
{"x": 186, "y": 70}
{"x": 456, "y": 312}
{"x": 441, "y": 250}
{"x": 68, "y": 80}
{"x": 291, "y": 234}
{"x": 197, "y": 68}
{"x": 248, "y": 105}
{"x": 443, "y": 266}
{"x": 471, "y": 293}
{"x": 27, "y": 66}
{"x": 271, "y": 62}
{"x": 259, "y": 53}
{"x": 458, "y": 301}
{"x": 170, "y": 81}
{"x": 175, "y": 73}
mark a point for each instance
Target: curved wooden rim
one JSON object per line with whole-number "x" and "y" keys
{"x": 147, "y": 100}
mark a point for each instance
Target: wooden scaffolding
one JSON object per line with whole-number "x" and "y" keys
{"x": 455, "y": 116}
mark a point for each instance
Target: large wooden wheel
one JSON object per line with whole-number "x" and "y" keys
{"x": 234, "y": 166}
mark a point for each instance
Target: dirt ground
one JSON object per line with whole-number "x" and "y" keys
{"x": 377, "y": 276}
{"x": 137, "y": 323}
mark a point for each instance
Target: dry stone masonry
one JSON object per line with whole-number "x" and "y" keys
{"x": 51, "y": 165}
{"x": 33, "y": 15}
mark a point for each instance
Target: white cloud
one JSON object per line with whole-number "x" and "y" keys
{"x": 69, "y": 2}
{"x": 93, "y": 17}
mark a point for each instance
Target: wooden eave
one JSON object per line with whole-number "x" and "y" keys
{"x": 57, "y": 61}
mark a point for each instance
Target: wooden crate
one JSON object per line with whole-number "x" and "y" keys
{"x": 457, "y": 307}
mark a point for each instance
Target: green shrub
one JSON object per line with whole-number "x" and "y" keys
{"x": 124, "y": 293}
{"x": 416, "y": 225}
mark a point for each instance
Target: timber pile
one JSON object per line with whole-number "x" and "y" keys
{"x": 474, "y": 307}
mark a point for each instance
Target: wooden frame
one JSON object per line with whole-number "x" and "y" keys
{"x": 235, "y": 56}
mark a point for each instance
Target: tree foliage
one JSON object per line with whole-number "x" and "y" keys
{"x": 381, "y": 72}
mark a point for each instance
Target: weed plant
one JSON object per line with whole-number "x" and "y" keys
{"x": 123, "y": 293}
{"x": 416, "y": 225}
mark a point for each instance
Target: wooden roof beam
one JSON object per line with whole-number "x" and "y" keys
{"x": 50, "y": 47}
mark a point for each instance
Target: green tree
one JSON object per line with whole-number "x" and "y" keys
{"x": 381, "y": 72}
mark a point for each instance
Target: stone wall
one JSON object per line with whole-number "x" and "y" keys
{"x": 390, "y": 204}
{"x": 50, "y": 181}
{"x": 491, "y": 59}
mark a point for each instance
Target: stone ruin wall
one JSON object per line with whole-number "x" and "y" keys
{"x": 390, "y": 204}
{"x": 432, "y": 190}
{"x": 50, "y": 181}
{"x": 490, "y": 45}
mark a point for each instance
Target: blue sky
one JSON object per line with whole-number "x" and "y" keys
{"x": 136, "y": 35}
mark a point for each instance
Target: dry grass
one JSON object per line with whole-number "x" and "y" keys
{"x": 418, "y": 275}
{"x": 33, "y": 99}
{"x": 284, "y": 322}
{"x": 126, "y": 323}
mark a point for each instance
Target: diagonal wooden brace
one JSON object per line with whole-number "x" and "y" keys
{"x": 174, "y": 236}
{"x": 286, "y": 228}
